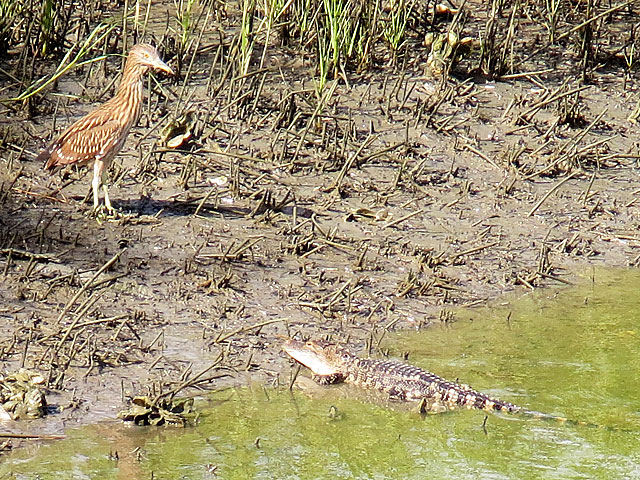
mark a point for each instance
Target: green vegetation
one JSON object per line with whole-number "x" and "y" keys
{"x": 73, "y": 59}
{"x": 37, "y": 27}
{"x": 246, "y": 35}
{"x": 338, "y": 39}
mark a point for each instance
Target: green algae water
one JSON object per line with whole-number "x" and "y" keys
{"x": 572, "y": 352}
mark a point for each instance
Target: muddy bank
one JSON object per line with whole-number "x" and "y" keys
{"x": 398, "y": 202}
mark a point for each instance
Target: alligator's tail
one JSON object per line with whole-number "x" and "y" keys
{"x": 564, "y": 420}
{"x": 472, "y": 399}
{"x": 460, "y": 395}
{"x": 480, "y": 401}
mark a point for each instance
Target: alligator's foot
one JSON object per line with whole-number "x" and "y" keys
{"x": 431, "y": 406}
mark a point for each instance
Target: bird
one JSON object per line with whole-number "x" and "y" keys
{"x": 99, "y": 136}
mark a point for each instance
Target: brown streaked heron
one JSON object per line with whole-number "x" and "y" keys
{"x": 101, "y": 134}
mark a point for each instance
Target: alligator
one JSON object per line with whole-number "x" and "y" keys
{"x": 332, "y": 363}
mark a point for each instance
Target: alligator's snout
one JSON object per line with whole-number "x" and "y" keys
{"x": 311, "y": 355}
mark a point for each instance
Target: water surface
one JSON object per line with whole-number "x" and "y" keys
{"x": 570, "y": 352}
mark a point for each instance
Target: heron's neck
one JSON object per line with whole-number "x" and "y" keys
{"x": 129, "y": 94}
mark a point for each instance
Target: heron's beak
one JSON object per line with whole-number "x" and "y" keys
{"x": 160, "y": 65}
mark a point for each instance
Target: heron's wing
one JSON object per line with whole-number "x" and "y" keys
{"x": 93, "y": 136}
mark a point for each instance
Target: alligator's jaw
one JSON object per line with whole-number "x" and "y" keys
{"x": 310, "y": 356}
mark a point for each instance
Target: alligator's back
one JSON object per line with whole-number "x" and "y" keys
{"x": 407, "y": 382}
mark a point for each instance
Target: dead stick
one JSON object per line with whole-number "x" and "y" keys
{"x": 296, "y": 372}
{"x": 312, "y": 251}
{"x": 575, "y": 29}
{"x": 88, "y": 284}
{"x": 204, "y": 200}
{"x": 480, "y": 154}
{"x": 533, "y": 110}
{"x": 525, "y": 282}
{"x": 554, "y": 277}
{"x": 188, "y": 382}
{"x": 379, "y": 153}
{"x": 574, "y": 141}
{"x": 347, "y": 165}
{"x": 402, "y": 219}
{"x": 546, "y": 195}
{"x": 511, "y": 76}
{"x": 17, "y": 253}
{"x": 565, "y": 156}
{"x": 321, "y": 104}
{"x": 221, "y": 338}
{"x": 31, "y": 435}
{"x": 597, "y": 17}
{"x": 474, "y": 250}
{"x": 586, "y": 192}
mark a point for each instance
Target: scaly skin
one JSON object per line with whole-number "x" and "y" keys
{"x": 332, "y": 363}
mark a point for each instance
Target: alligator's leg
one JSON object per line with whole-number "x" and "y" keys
{"x": 397, "y": 394}
{"x": 329, "y": 379}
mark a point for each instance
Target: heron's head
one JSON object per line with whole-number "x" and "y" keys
{"x": 146, "y": 56}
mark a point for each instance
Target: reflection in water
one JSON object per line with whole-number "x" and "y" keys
{"x": 574, "y": 355}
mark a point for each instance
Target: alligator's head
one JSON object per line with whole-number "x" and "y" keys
{"x": 322, "y": 358}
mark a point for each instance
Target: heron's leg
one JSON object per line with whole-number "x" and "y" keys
{"x": 107, "y": 202}
{"x": 98, "y": 167}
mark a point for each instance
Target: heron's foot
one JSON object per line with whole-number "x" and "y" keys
{"x": 106, "y": 213}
